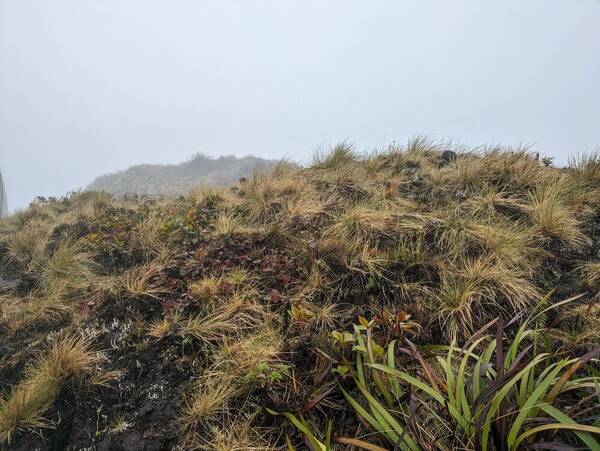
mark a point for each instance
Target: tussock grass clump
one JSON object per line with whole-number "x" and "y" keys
{"x": 341, "y": 155}
{"x": 317, "y": 280}
{"x": 160, "y": 328}
{"x": 206, "y": 288}
{"x": 231, "y": 319}
{"x": 361, "y": 224}
{"x": 232, "y": 436}
{"x": 477, "y": 289}
{"x": 245, "y": 356}
{"x": 551, "y": 212}
{"x": 37, "y": 308}
{"x": 239, "y": 278}
{"x": 209, "y": 400}
{"x": 141, "y": 283}
{"x": 590, "y": 274}
{"x": 263, "y": 193}
{"x": 27, "y": 245}
{"x": 67, "y": 267}
{"x": 227, "y": 224}
{"x": 23, "y": 408}
{"x": 587, "y": 167}
{"x": 490, "y": 201}
{"x": 147, "y": 235}
{"x": 303, "y": 206}
{"x": 509, "y": 242}
{"x": 213, "y": 195}
{"x": 91, "y": 204}
{"x": 518, "y": 168}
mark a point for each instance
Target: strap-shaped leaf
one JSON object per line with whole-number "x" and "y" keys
{"x": 529, "y": 409}
{"x": 558, "y": 426}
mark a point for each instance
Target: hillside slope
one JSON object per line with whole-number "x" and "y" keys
{"x": 404, "y": 300}
{"x": 179, "y": 178}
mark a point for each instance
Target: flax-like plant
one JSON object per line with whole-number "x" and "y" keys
{"x": 494, "y": 393}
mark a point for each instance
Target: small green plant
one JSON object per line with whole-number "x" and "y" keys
{"x": 547, "y": 161}
{"x": 278, "y": 374}
{"x": 269, "y": 374}
{"x": 262, "y": 367}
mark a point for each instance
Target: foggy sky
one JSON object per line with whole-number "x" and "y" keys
{"x": 89, "y": 87}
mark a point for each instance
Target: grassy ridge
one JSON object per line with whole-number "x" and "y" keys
{"x": 192, "y": 317}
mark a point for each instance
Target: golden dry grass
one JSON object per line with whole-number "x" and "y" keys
{"x": 140, "y": 283}
{"x": 590, "y": 275}
{"x": 67, "y": 267}
{"x": 160, "y": 328}
{"x": 232, "y": 436}
{"x": 22, "y": 409}
{"x": 227, "y": 321}
{"x": 147, "y": 236}
{"x": 361, "y": 224}
{"x": 228, "y": 223}
{"x": 550, "y": 209}
{"x": 208, "y": 401}
{"x": 37, "y": 308}
{"x": 206, "y": 288}
{"x": 477, "y": 290}
{"x": 340, "y": 155}
{"x": 242, "y": 356}
{"x": 27, "y": 245}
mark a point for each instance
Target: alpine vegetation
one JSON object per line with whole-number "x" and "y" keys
{"x": 423, "y": 297}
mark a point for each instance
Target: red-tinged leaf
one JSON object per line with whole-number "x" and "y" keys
{"x": 276, "y": 297}
{"x": 553, "y": 394}
{"x": 431, "y": 376}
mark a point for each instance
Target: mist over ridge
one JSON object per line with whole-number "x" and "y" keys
{"x": 171, "y": 179}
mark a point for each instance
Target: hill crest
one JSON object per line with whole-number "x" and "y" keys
{"x": 175, "y": 179}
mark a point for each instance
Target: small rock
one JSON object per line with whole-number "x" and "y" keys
{"x": 448, "y": 156}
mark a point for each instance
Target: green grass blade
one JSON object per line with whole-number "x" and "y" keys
{"x": 427, "y": 389}
{"x": 391, "y": 361}
{"x": 529, "y": 408}
{"x": 558, "y": 415}
{"x": 560, "y": 426}
{"x": 303, "y": 427}
{"x": 360, "y": 410}
{"x": 485, "y": 362}
{"x": 387, "y": 418}
{"x": 500, "y": 396}
{"x": 461, "y": 395}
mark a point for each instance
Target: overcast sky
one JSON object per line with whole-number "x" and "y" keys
{"x": 89, "y": 87}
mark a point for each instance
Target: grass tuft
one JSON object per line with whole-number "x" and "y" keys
{"x": 550, "y": 210}
{"x": 22, "y": 409}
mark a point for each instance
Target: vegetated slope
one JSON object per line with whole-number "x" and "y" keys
{"x": 404, "y": 299}
{"x": 178, "y": 179}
